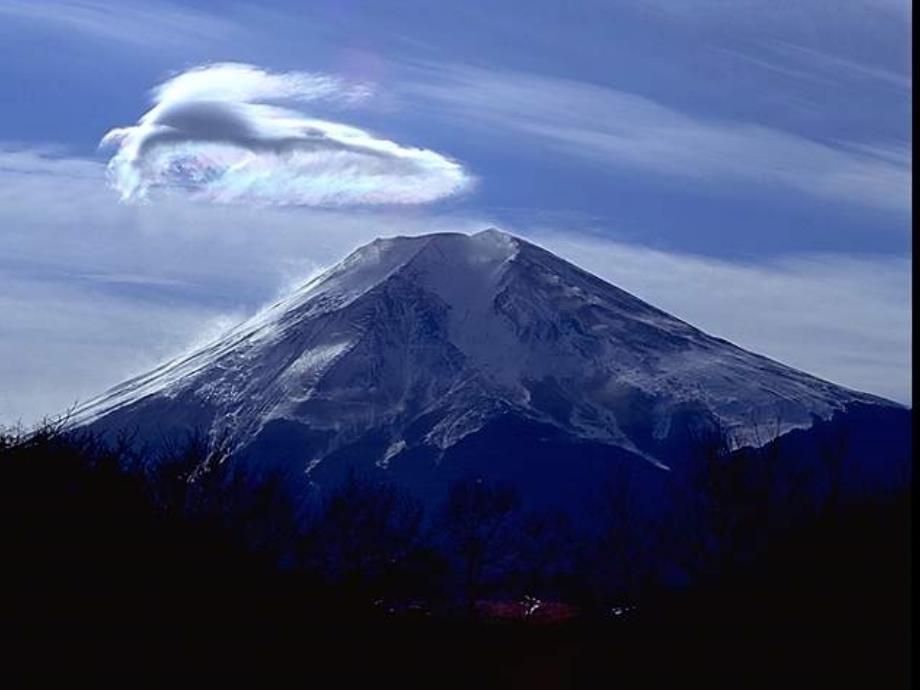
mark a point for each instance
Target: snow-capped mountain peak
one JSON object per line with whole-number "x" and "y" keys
{"x": 422, "y": 341}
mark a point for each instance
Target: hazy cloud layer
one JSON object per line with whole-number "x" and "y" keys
{"x": 621, "y": 129}
{"x": 93, "y": 291}
{"x": 220, "y": 133}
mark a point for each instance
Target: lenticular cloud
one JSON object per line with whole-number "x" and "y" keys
{"x": 220, "y": 133}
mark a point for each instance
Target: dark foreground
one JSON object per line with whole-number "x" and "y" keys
{"x": 263, "y": 639}
{"x": 101, "y": 592}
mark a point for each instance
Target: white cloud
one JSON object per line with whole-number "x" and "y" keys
{"x": 218, "y": 133}
{"x": 93, "y": 291}
{"x": 621, "y": 129}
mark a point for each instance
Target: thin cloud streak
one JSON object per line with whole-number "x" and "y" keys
{"x": 156, "y": 26}
{"x": 825, "y": 63}
{"x": 626, "y": 131}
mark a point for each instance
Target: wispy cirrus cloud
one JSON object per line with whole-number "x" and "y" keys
{"x": 822, "y": 62}
{"x": 628, "y": 131}
{"x": 161, "y": 26}
{"x": 221, "y": 133}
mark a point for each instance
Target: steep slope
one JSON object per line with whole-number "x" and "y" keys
{"x": 412, "y": 344}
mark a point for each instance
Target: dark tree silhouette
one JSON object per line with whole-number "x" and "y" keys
{"x": 477, "y": 522}
{"x": 625, "y": 539}
{"x": 365, "y": 536}
{"x": 543, "y": 550}
{"x": 97, "y": 570}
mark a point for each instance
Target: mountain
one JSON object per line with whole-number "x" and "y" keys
{"x": 425, "y": 358}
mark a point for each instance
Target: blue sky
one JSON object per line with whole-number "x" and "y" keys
{"x": 744, "y": 165}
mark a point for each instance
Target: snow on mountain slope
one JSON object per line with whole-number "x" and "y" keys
{"x": 424, "y": 340}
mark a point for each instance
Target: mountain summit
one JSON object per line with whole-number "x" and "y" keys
{"x": 412, "y": 346}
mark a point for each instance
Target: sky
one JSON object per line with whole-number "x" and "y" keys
{"x": 167, "y": 168}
